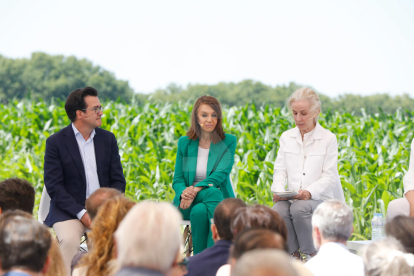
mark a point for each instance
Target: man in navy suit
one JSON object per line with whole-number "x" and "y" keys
{"x": 79, "y": 159}
{"x": 211, "y": 259}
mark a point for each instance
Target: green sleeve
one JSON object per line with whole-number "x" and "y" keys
{"x": 178, "y": 181}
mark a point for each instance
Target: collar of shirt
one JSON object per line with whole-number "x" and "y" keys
{"x": 77, "y": 133}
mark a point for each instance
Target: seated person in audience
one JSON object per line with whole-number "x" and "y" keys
{"x": 264, "y": 262}
{"x": 332, "y": 227}
{"x": 405, "y": 206}
{"x": 24, "y": 247}
{"x": 149, "y": 239}
{"x": 56, "y": 267}
{"x": 100, "y": 260}
{"x": 17, "y": 194}
{"x": 211, "y": 259}
{"x": 387, "y": 257}
{"x": 92, "y": 204}
{"x": 402, "y": 228}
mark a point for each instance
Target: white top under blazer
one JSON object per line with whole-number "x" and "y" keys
{"x": 312, "y": 167}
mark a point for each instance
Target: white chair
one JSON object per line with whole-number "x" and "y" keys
{"x": 338, "y": 192}
{"x": 43, "y": 206}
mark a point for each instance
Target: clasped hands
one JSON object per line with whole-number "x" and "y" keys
{"x": 303, "y": 195}
{"x": 188, "y": 195}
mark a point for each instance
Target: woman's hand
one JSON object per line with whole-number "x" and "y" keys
{"x": 185, "y": 204}
{"x": 189, "y": 193}
{"x": 303, "y": 195}
{"x": 277, "y": 198}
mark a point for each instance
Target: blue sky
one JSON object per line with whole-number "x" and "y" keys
{"x": 360, "y": 47}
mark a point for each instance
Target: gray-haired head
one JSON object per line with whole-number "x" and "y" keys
{"x": 24, "y": 244}
{"x": 387, "y": 257}
{"x": 306, "y": 93}
{"x": 264, "y": 262}
{"x": 334, "y": 219}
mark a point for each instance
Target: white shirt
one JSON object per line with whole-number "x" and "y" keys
{"x": 311, "y": 166}
{"x": 335, "y": 259}
{"x": 201, "y": 170}
{"x": 87, "y": 153}
{"x": 408, "y": 179}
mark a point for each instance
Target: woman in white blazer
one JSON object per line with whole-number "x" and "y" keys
{"x": 307, "y": 163}
{"x": 405, "y": 206}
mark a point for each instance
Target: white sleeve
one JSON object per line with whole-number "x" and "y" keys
{"x": 279, "y": 171}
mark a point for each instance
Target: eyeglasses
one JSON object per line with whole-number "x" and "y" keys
{"x": 184, "y": 264}
{"x": 96, "y": 108}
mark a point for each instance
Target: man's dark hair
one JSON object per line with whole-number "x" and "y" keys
{"x": 16, "y": 193}
{"x": 76, "y": 101}
{"x": 24, "y": 244}
{"x": 402, "y": 228}
{"x": 223, "y": 215}
{"x": 98, "y": 198}
{"x": 258, "y": 217}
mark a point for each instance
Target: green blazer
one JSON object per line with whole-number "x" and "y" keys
{"x": 219, "y": 164}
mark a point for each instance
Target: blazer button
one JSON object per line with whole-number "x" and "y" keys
{"x": 303, "y": 173}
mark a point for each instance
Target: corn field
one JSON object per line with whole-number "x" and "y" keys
{"x": 373, "y": 150}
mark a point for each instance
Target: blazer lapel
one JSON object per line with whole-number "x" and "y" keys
{"x": 72, "y": 145}
{"x": 192, "y": 160}
{"x": 99, "y": 146}
{"x": 213, "y": 154}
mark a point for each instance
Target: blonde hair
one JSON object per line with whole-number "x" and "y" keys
{"x": 309, "y": 94}
{"x": 57, "y": 266}
{"x": 149, "y": 236}
{"x": 386, "y": 258}
{"x": 109, "y": 216}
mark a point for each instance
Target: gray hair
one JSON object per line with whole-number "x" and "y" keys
{"x": 269, "y": 262}
{"x": 387, "y": 257}
{"x": 334, "y": 220}
{"x": 306, "y": 93}
{"x": 24, "y": 244}
{"x": 149, "y": 236}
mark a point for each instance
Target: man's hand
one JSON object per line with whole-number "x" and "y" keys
{"x": 185, "y": 204}
{"x": 303, "y": 195}
{"x": 86, "y": 220}
{"x": 189, "y": 193}
{"x": 277, "y": 198}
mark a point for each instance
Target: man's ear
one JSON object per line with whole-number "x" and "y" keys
{"x": 1, "y": 211}
{"x": 214, "y": 232}
{"x": 46, "y": 266}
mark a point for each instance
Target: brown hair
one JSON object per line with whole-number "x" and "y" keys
{"x": 402, "y": 228}
{"x": 98, "y": 198}
{"x": 195, "y": 130}
{"x": 256, "y": 239}
{"x": 223, "y": 214}
{"x": 258, "y": 217}
{"x": 16, "y": 193}
{"x": 109, "y": 216}
{"x": 57, "y": 266}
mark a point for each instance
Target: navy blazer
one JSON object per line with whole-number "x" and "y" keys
{"x": 64, "y": 174}
{"x": 207, "y": 262}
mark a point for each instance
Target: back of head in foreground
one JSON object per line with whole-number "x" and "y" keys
{"x": 387, "y": 257}
{"x": 98, "y": 198}
{"x": 332, "y": 222}
{"x": 149, "y": 237}
{"x": 16, "y": 194}
{"x": 402, "y": 228}
{"x": 223, "y": 215}
{"x": 264, "y": 262}
{"x": 24, "y": 245}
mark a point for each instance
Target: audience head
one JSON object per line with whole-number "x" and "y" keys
{"x": 24, "y": 245}
{"x": 149, "y": 236}
{"x": 256, "y": 239}
{"x": 16, "y": 193}
{"x": 97, "y": 198}
{"x": 14, "y": 213}
{"x": 222, "y": 217}
{"x": 387, "y": 257}
{"x": 402, "y": 228}
{"x": 264, "y": 262}
{"x": 57, "y": 265}
{"x": 332, "y": 221}
{"x": 258, "y": 217}
{"x": 109, "y": 216}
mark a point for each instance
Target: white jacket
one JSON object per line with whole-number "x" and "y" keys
{"x": 316, "y": 173}
{"x": 408, "y": 179}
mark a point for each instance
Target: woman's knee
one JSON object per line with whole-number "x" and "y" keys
{"x": 398, "y": 207}
{"x": 199, "y": 211}
{"x": 300, "y": 208}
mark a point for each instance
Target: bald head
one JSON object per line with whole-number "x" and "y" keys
{"x": 99, "y": 197}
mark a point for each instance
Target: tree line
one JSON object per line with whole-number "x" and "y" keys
{"x": 44, "y": 76}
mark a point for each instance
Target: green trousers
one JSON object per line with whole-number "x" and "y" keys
{"x": 200, "y": 215}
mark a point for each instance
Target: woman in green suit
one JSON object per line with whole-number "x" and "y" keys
{"x": 204, "y": 160}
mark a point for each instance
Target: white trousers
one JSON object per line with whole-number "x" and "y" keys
{"x": 398, "y": 207}
{"x": 69, "y": 234}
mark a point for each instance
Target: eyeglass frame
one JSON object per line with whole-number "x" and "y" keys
{"x": 96, "y": 108}
{"x": 184, "y": 264}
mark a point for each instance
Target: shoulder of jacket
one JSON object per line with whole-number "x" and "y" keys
{"x": 183, "y": 140}
{"x": 230, "y": 137}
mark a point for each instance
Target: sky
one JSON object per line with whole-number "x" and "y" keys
{"x": 336, "y": 47}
